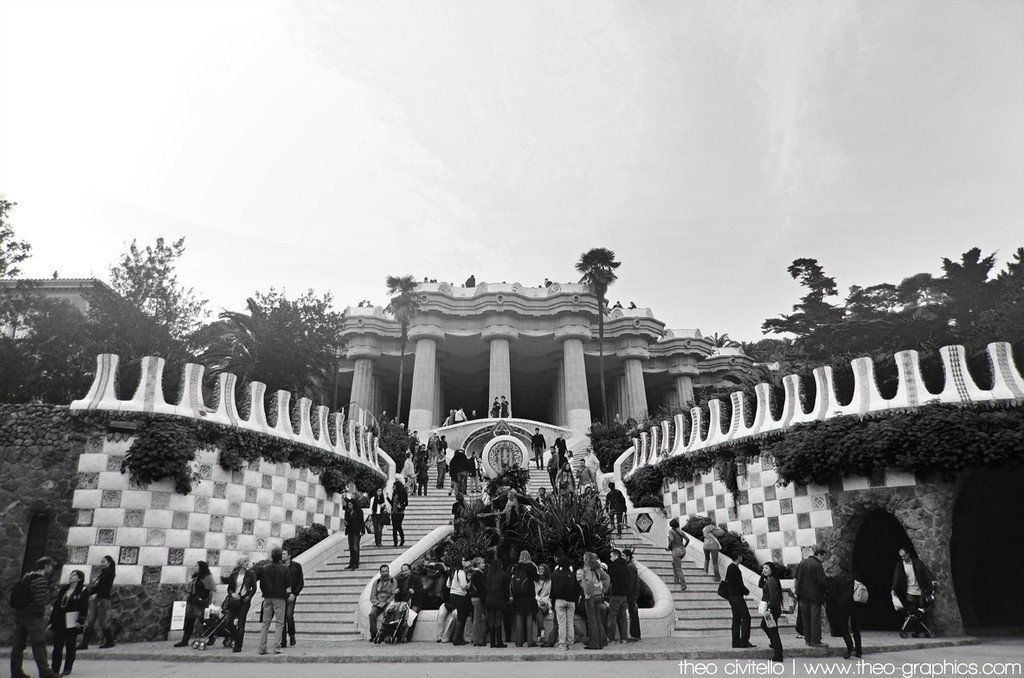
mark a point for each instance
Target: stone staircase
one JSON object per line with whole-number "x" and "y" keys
{"x": 326, "y": 610}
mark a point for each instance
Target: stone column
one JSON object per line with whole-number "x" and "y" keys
{"x": 424, "y": 373}
{"x": 577, "y": 400}
{"x": 684, "y": 390}
{"x": 621, "y": 404}
{"x": 499, "y": 333}
{"x": 633, "y": 358}
{"x": 439, "y": 412}
{"x": 363, "y": 380}
{"x": 558, "y": 398}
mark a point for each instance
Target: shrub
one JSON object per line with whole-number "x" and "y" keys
{"x": 571, "y": 523}
{"x": 513, "y": 478}
{"x": 644, "y": 487}
{"x": 732, "y": 543}
{"x": 609, "y": 441}
{"x": 306, "y": 538}
{"x": 163, "y": 449}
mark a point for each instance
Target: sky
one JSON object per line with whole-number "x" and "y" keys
{"x": 326, "y": 145}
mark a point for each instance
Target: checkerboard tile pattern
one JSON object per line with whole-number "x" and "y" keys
{"x": 156, "y": 535}
{"x": 780, "y": 523}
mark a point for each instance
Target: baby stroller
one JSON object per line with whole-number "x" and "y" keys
{"x": 393, "y": 628}
{"x": 914, "y": 624}
{"x": 214, "y": 625}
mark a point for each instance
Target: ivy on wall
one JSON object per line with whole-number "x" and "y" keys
{"x": 937, "y": 438}
{"x": 165, "y": 447}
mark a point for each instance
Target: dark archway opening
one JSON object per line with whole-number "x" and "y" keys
{"x": 35, "y": 543}
{"x": 986, "y": 521}
{"x": 875, "y": 554}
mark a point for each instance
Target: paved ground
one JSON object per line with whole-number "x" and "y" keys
{"x": 1005, "y": 657}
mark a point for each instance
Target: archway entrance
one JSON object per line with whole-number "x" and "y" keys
{"x": 875, "y": 554}
{"x": 986, "y": 521}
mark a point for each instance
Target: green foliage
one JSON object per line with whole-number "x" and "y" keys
{"x": 481, "y": 543}
{"x": 732, "y": 543}
{"x": 12, "y": 252}
{"x": 513, "y": 478}
{"x": 609, "y": 441}
{"x": 286, "y": 344}
{"x": 403, "y": 305}
{"x": 644, "y": 487}
{"x": 572, "y": 523}
{"x": 163, "y": 449}
{"x": 146, "y": 279}
{"x": 306, "y": 538}
{"x": 938, "y": 438}
{"x": 395, "y": 440}
{"x": 166, "y": 446}
{"x": 597, "y": 268}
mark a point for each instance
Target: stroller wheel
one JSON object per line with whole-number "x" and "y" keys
{"x": 195, "y": 644}
{"x": 904, "y": 634}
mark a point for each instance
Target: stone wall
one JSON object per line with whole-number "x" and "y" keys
{"x": 39, "y": 450}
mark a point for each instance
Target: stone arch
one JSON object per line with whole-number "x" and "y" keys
{"x": 925, "y": 513}
{"x": 987, "y": 517}
{"x": 874, "y": 558}
{"x": 36, "y": 537}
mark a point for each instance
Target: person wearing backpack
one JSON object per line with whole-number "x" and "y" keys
{"x": 564, "y": 594}
{"x": 66, "y": 619}
{"x": 29, "y": 598}
{"x": 524, "y": 601}
{"x": 99, "y": 609}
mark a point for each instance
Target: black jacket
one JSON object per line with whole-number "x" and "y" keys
{"x": 354, "y": 521}
{"x": 564, "y": 585}
{"x": 248, "y": 587}
{"x": 734, "y": 581}
{"x": 274, "y": 580}
{"x": 623, "y": 578}
{"x": 295, "y": 579}
{"x": 79, "y": 601}
{"x": 899, "y": 579}
{"x": 102, "y": 586}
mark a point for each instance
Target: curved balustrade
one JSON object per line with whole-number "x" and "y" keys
{"x": 911, "y": 392}
{"x": 252, "y": 416}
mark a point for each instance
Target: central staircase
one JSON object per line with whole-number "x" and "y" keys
{"x": 326, "y": 609}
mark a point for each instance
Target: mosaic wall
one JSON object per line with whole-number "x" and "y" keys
{"x": 156, "y": 535}
{"x": 779, "y": 523}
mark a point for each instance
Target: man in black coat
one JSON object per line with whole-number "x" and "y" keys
{"x": 297, "y": 581}
{"x": 241, "y": 583}
{"x": 355, "y": 528}
{"x": 623, "y": 579}
{"x": 615, "y": 504}
{"x": 810, "y": 594}
{"x": 538, "y": 443}
{"x": 736, "y": 591}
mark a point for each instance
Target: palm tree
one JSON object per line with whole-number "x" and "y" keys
{"x": 598, "y": 269}
{"x": 403, "y": 305}
{"x": 722, "y": 341}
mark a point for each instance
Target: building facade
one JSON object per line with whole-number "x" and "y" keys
{"x": 536, "y": 346}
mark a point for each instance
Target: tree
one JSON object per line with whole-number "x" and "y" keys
{"x": 285, "y": 344}
{"x": 12, "y": 252}
{"x": 403, "y": 305}
{"x": 146, "y": 278}
{"x": 597, "y": 267}
{"x": 719, "y": 341}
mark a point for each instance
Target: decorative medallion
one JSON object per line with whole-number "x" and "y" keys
{"x": 503, "y": 455}
{"x": 644, "y": 523}
{"x": 501, "y": 429}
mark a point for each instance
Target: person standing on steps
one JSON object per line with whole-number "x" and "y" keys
{"x": 495, "y": 409}
{"x": 712, "y": 546}
{"x": 538, "y": 444}
{"x": 810, "y": 594}
{"x": 274, "y": 584}
{"x": 771, "y": 600}
{"x": 615, "y": 504}
{"x": 378, "y": 511}
{"x": 399, "y": 501}
{"x": 99, "y": 607}
{"x": 355, "y": 528}
{"x": 30, "y": 619}
{"x": 442, "y": 461}
{"x": 67, "y": 618}
{"x": 295, "y": 581}
{"x": 553, "y": 466}
{"x": 632, "y": 601}
{"x": 678, "y": 540}
{"x": 623, "y": 580}
{"x": 505, "y": 406}
{"x": 736, "y": 590}
{"x": 241, "y": 582}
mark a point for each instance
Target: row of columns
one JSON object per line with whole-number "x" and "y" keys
{"x": 571, "y": 403}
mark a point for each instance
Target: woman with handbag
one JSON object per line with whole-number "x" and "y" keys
{"x": 379, "y": 515}
{"x": 770, "y": 608}
{"x": 99, "y": 609}
{"x": 67, "y": 619}
{"x": 677, "y": 543}
{"x": 200, "y": 592}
